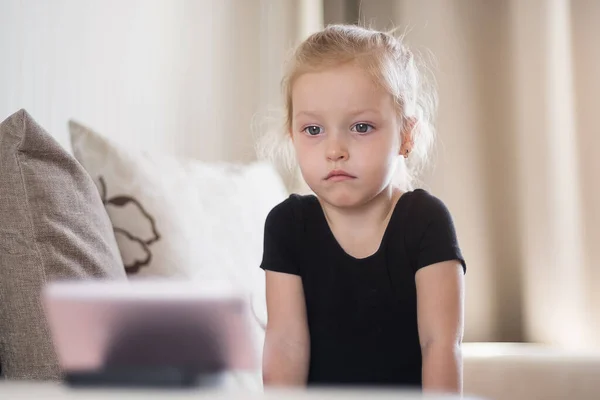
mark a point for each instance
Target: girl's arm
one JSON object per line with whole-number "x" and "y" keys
{"x": 440, "y": 292}
{"x": 286, "y": 351}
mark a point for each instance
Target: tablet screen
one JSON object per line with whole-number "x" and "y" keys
{"x": 101, "y": 324}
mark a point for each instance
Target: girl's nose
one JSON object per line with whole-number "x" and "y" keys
{"x": 337, "y": 150}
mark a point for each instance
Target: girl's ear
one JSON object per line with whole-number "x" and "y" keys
{"x": 407, "y": 136}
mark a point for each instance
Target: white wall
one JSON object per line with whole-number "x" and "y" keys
{"x": 182, "y": 76}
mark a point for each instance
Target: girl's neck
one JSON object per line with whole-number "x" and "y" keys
{"x": 366, "y": 217}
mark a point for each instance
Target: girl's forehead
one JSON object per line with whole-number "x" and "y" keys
{"x": 340, "y": 88}
{"x": 344, "y": 75}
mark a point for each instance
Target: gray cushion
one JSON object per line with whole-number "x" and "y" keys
{"x": 53, "y": 225}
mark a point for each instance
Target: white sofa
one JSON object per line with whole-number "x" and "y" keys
{"x": 522, "y": 371}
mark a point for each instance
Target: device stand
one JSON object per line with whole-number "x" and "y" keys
{"x": 154, "y": 377}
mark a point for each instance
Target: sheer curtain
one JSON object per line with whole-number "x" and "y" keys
{"x": 515, "y": 160}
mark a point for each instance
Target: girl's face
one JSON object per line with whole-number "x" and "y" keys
{"x": 346, "y": 133}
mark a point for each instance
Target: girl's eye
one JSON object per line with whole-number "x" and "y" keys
{"x": 313, "y": 130}
{"x": 362, "y": 128}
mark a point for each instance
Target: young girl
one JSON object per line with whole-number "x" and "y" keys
{"x": 365, "y": 278}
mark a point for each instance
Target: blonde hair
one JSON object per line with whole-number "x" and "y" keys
{"x": 391, "y": 64}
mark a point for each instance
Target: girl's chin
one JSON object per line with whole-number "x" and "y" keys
{"x": 342, "y": 197}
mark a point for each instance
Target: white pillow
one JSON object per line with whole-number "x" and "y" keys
{"x": 181, "y": 218}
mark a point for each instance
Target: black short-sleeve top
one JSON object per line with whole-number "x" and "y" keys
{"x": 362, "y": 312}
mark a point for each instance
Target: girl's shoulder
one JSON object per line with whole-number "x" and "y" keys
{"x": 424, "y": 206}
{"x": 425, "y": 214}
{"x": 292, "y": 210}
{"x": 432, "y": 235}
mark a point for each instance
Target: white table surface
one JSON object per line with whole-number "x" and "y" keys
{"x": 49, "y": 391}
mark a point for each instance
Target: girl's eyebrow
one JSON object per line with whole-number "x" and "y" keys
{"x": 309, "y": 114}
{"x": 353, "y": 113}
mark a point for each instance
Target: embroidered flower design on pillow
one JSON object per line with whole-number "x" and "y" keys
{"x": 135, "y": 239}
